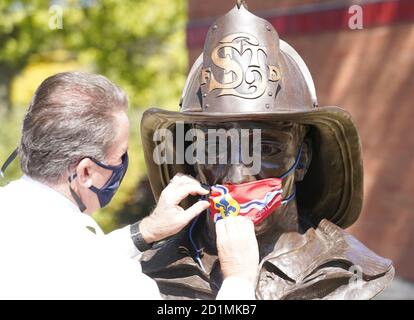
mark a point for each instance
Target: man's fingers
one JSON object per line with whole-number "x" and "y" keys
{"x": 180, "y": 178}
{"x": 196, "y": 209}
{"x": 220, "y": 230}
{"x": 238, "y": 225}
{"x": 250, "y": 226}
{"x": 176, "y": 195}
{"x": 180, "y": 187}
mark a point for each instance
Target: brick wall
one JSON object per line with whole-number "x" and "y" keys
{"x": 370, "y": 73}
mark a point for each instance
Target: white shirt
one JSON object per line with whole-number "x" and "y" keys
{"x": 48, "y": 251}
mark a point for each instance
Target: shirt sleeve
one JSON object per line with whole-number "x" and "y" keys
{"x": 121, "y": 241}
{"x": 236, "y": 288}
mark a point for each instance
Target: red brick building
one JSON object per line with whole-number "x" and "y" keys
{"x": 369, "y": 72}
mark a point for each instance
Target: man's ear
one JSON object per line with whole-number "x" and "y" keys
{"x": 305, "y": 160}
{"x": 83, "y": 172}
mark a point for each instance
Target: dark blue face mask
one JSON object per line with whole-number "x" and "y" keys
{"x": 106, "y": 193}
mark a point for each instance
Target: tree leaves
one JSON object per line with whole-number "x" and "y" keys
{"x": 138, "y": 44}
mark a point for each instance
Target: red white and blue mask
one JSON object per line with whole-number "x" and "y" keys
{"x": 255, "y": 199}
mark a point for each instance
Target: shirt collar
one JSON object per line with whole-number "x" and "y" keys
{"x": 54, "y": 195}
{"x": 56, "y": 199}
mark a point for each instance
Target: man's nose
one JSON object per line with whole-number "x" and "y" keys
{"x": 236, "y": 174}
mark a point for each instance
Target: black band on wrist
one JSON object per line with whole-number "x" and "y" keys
{"x": 137, "y": 238}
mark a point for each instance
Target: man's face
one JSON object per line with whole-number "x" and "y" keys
{"x": 89, "y": 173}
{"x": 280, "y": 144}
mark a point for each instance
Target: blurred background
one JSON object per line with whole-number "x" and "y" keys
{"x": 361, "y": 58}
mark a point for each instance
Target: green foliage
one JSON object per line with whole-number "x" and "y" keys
{"x": 144, "y": 53}
{"x": 10, "y": 124}
{"x": 138, "y": 44}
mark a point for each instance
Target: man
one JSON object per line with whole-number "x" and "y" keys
{"x": 247, "y": 78}
{"x": 74, "y": 155}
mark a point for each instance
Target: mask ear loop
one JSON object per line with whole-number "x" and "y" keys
{"x": 9, "y": 160}
{"x": 78, "y": 200}
{"x": 72, "y": 177}
{"x": 196, "y": 249}
{"x": 292, "y": 196}
{"x": 293, "y": 167}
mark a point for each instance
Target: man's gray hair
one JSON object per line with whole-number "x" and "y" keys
{"x": 71, "y": 117}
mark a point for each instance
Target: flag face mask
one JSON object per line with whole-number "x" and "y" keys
{"x": 255, "y": 200}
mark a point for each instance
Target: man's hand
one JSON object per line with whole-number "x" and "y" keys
{"x": 169, "y": 218}
{"x": 237, "y": 247}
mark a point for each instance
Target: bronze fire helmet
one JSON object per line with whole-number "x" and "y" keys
{"x": 248, "y": 78}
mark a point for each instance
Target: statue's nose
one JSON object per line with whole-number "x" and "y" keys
{"x": 236, "y": 174}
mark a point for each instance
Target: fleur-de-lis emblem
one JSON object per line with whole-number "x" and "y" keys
{"x": 226, "y": 205}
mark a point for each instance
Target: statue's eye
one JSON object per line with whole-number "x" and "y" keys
{"x": 269, "y": 149}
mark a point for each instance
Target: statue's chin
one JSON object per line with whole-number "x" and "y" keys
{"x": 273, "y": 222}
{"x": 283, "y": 219}
{"x": 267, "y": 224}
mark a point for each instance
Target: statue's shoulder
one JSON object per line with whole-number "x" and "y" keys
{"x": 166, "y": 254}
{"x": 325, "y": 262}
{"x": 177, "y": 275}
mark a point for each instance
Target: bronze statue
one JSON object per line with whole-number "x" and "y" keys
{"x": 248, "y": 78}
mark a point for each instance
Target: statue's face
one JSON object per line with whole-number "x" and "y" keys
{"x": 280, "y": 144}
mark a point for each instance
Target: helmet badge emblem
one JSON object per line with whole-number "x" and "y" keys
{"x": 241, "y": 62}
